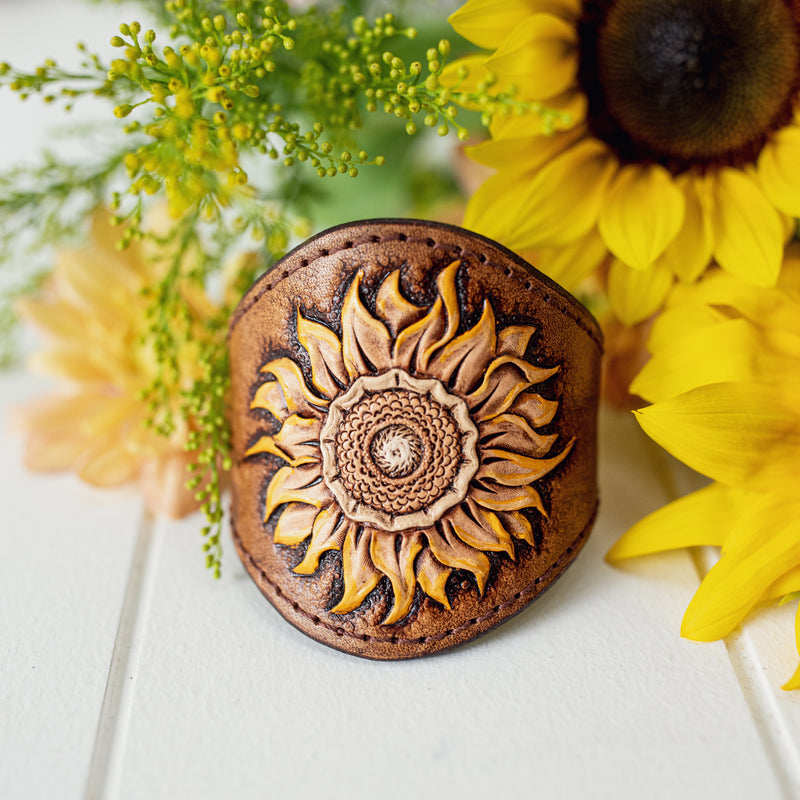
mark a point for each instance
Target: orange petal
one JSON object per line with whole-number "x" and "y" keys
{"x": 512, "y": 432}
{"x": 301, "y": 484}
{"x": 513, "y": 340}
{"x": 449, "y": 550}
{"x": 511, "y": 469}
{"x": 518, "y": 525}
{"x": 480, "y": 529}
{"x": 365, "y": 340}
{"x": 398, "y": 565}
{"x": 107, "y": 463}
{"x": 296, "y": 442}
{"x": 534, "y": 408}
{"x": 325, "y": 351}
{"x": 328, "y": 532}
{"x": 358, "y": 572}
{"x": 432, "y": 577}
{"x": 506, "y": 498}
{"x": 298, "y": 397}
{"x": 393, "y": 307}
{"x": 294, "y": 524}
{"x": 270, "y": 397}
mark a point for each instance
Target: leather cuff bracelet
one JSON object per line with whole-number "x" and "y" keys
{"x": 414, "y": 426}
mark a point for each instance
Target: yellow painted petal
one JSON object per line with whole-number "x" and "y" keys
{"x": 416, "y": 343}
{"x": 765, "y": 544}
{"x": 398, "y": 565}
{"x": 496, "y": 497}
{"x": 541, "y": 52}
{"x": 432, "y": 577}
{"x": 295, "y": 524}
{"x": 505, "y": 379}
{"x": 301, "y": 484}
{"x": 365, "y": 340}
{"x": 534, "y": 409}
{"x": 518, "y": 525}
{"x": 641, "y": 214}
{"x": 486, "y": 23}
{"x": 512, "y": 432}
{"x": 390, "y": 304}
{"x": 731, "y": 432}
{"x": 325, "y": 351}
{"x": 689, "y": 253}
{"x": 269, "y": 397}
{"x": 358, "y": 572}
{"x": 480, "y": 529}
{"x": 297, "y": 442}
{"x": 779, "y": 170}
{"x": 562, "y": 201}
{"x": 512, "y": 469}
{"x": 299, "y": 399}
{"x": 449, "y": 550}
{"x": 570, "y": 264}
{"x": 748, "y": 231}
{"x": 462, "y": 362}
{"x": 513, "y": 340}
{"x": 636, "y": 294}
{"x": 705, "y": 517}
{"x": 327, "y": 533}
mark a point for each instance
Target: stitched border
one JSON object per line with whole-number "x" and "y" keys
{"x": 529, "y": 284}
{"x": 338, "y": 630}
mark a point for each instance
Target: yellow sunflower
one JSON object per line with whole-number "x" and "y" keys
{"x": 414, "y": 450}
{"x": 724, "y": 381}
{"x": 679, "y": 144}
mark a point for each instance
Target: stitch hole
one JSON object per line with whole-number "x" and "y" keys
{"x": 339, "y": 632}
{"x": 304, "y": 262}
{"x": 528, "y": 285}
{"x": 374, "y": 239}
{"x": 546, "y": 298}
{"x": 430, "y": 242}
{"x": 278, "y": 591}
{"x": 401, "y": 237}
{"x": 518, "y": 596}
{"x": 348, "y": 245}
{"x": 285, "y": 273}
{"x": 422, "y": 639}
{"x": 268, "y": 287}
{"x": 482, "y": 258}
{"x": 508, "y": 272}
{"x": 324, "y": 253}
{"x": 393, "y": 638}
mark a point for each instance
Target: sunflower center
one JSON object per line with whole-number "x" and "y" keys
{"x": 689, "y": 83}
{"x": 398, "y": 451}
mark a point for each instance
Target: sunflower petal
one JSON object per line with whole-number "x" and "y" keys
{"x": 541, "y": 49}
{"x": 325, "y": 351}
{"x": 512, "y": 432}
{"x": 689, "y": 253}
{"x": 505, "y": 379}
{"x": 358, "y": 572}
{"x": 562, "y": 202}
{"x": 518, "y": 525}
{"x": 270, "y": 397}
{"x": 295, "y": 524}
{"x": 748, "y": 231}
{"x": 299, "y": 399}
{"x": 449, "y": 550}
{"x": 641, "y": 215}
{"x": 296, "y": 442}
{"x": 432, "y": 577}
{"x": 534, "y": 408}
{"x": 419, "y": 341}
{"x": 467, "y": 356}
{"x": 393, "y": 307}
{"x": 765, "y": 544}
{"x": 779, "y": 170}
{"x": 704, "y": 517}
{"x": 366, "y": 343}
{"x": 327, "y": 533}
{"x": 513, "y": 340}
{"x": 480, "y": 529}
{"x": 636, "y": 294}
{"x": 522, "y": 154}
{"x": 301, "y": 484}
{"x": 496, "y": 497}
{"x": 512, "y": 469}
{"x": 486, "y": 23}
{"x": 398, "y": 566}
{"x": 732, "y": 432}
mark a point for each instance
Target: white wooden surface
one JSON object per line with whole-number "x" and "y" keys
{"x": 127, "y": 672}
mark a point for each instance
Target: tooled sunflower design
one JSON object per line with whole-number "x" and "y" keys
{"x": 413, "y": 449}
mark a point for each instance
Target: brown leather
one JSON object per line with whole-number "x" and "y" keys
{"x": 405, "y": 474}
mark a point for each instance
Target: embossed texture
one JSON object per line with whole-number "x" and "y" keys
{"x": 411, "y": 454}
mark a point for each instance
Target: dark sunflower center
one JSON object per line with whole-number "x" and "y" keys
{"x": 689, "y": 83}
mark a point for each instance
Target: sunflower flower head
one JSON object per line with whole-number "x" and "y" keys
{"x": 679, "y": 147}
{"x": 723, "y": 383}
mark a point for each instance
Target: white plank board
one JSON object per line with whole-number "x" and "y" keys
{"x": 66, "y": 557}
{"x": 589, "y": 692}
